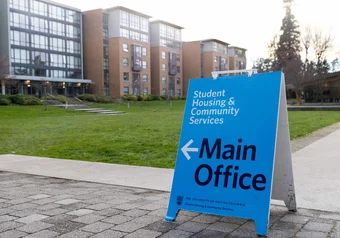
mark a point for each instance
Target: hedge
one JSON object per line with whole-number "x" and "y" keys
{"x": 24, "y": 100}
{"x": 96, "y": 98}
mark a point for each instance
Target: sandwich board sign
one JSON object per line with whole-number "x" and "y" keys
{"x": 234, "y": 149}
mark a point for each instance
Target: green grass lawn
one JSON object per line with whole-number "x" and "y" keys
{"x": 147, "y": 135}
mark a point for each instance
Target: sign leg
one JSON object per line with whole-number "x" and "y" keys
{"x": 262, "y": 227}
{"x": 171, "y": 215}
{"x": 290, "y": 200}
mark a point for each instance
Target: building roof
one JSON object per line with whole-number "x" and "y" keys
{"x": 61, "y": 5}
{"x": 216, "y": 40}
{"x": 333, "y": 74}
{"x": 166, "y": 23}
{"x": 128, "y": 10}
{"x": 236, "y": 47}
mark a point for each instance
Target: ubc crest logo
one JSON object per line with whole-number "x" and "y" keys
{"x": 179, "y": 200}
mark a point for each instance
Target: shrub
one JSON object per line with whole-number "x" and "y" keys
{"x": 25, "y": 100}
{"x": 175, "y": 98}
{"x": 48, "y": 98}
{"x": 182, "y": 98}
{"x": 102, "y": 99}
{"x": 140, "y": 98}
{"x": 164, "y": 97}
{"x": 146, "y": 98}
{"x": 87, "y": 97}
{"x": 131, "y": 98}
{"x": 4, "y": 101}
{"x": 96, "y": 98}
{"x": 154, "y": 97}
{"x": 61, "y": 98}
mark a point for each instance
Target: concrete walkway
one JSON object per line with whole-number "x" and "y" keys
{"x": 43, "y": 207}
{"x": 315, "y": 167}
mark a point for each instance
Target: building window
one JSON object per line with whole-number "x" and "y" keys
{"x": 125, "y": 62}
{"x": 20, "y": 56}
{"x": 73, "y": 62}
{"x": 72, "y": 16}
{"x": 145, "y": 78}
{"x": 178, "y": 69}
{"x": 106, "y": 50}
{"x": 145, "y": 24}
{"x": 19, "y": 4}
{"x": 57, "y": 28}
{"x": 125, "y": 47}
{"x": 40, "y": 58}
{"x": 126, "y": 76}
{"x": 19, "y": 20}
{"x": 144, "y": 51}
{"x": 106, "y": 90}
{"x": 144, "y": 37}
{"x": 124, "y": 18}
{"x": 39, "y": 8}
{"x": 163, "y": 55}
{"x": 146, "y": 91}
{"x": 134, "y": 22}
{"x": 39, "y": 24}
{"x": 19, "y": 38}
{"x": 163, "y": 79}
{"x": 216, "y": 68}
{"x": 163, "y": 67}
{"x": 178, "y": 92}
{"x": 215, "y": 59}
{"x": 124, "y": 33}
{"x": 126, "y": 90}
{"x": 105, "y": 33}
{"x": 145, "y": 65}
{"x": 58, "y": 60}
{"x": 178, "y": 57}
{"x": 58, "y": 74}
{"x": 170, "y": 33}
{"x": 72, "y": 31}
{"x": 57, "y": 12}
{"x": 73, "y": 47}
{"x": 105, "y": 64}
{"x": 39, "y": 41}
{"x": 134, "y": 35}
{"x": 57, "y": 44}
{"x": 20, "y": 71}
{"x": 164, "y": 91}
{"x": 178, "y": 81}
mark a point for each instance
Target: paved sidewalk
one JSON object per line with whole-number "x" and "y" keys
{"x": 41, "y": 207}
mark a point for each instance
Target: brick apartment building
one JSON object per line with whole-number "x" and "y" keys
{"x": 53, "y": 48}
{"x": 200, "y": 58}
{"x": 237, "y": 58}
{"x": 166, "y": 58}
{"x": 117, "y": 51}
{"x": 41, "y": 48}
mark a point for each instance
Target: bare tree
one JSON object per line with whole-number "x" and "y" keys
{"x": 322, "y": 43}
{"x": 306, "y": 41}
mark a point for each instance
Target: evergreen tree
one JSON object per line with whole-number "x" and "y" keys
{"x": 288, "y": 47}
{"x": 287, "y": 56}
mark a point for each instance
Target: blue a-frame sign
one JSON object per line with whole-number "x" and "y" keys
{"x": 226, "y": 153}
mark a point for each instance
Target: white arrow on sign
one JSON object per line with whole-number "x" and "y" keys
{"x": 185, "y": 149}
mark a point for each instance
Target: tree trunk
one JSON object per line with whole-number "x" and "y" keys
{"x": 298, "y": 99}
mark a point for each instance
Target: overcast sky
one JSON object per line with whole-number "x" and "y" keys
{"x": 250, "y": 24}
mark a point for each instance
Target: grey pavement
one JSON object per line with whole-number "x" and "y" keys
{"x": 45, "y": 207}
